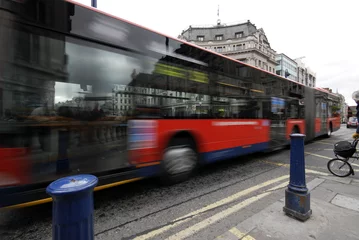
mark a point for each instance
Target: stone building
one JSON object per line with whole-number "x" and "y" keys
{"x": 241, "y": 41}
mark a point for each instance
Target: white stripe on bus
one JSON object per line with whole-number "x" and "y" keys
{"x": 234, "y": 123}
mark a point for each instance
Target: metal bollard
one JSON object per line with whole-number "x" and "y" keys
{"x": 72, "y": 207}
{"x": 297, "y": 197}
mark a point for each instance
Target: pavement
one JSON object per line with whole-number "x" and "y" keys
{"x": 335, "y": 215}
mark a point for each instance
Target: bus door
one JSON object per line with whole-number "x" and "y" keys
{"x": 321, "y": 116}
{"x": 324, "y": 117}
{"x": 278, "y": 123}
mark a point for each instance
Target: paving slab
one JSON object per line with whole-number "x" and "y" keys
{"x": 327, "y": 222}
{"x": 346, "y": 202}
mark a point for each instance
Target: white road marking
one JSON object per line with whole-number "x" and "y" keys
{"x": 316, "y": 172}
{"x": 223, "y": 214}
{"x": 325, "y": 143}
{"x": 217, "y": 217}
{"x": 317, "y": 155}
{"x": 194, "y": 214}
{"x": 306, "y": 170}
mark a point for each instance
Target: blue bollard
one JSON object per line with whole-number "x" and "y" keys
{"x": 72, "y": 207}
{"x": 297, "y": 197}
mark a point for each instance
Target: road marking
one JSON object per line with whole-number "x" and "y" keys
{"x": 277, "y": 164}
{"x": 235, "y": 196}
{"x": 316, "y": 172}
{"x": 317, "y": 155}
{"x": 217, "y": 217}
{"x": 282, "y": 185}
{"x": 326, "y": 143}
{"x": 307, "y": 170}
{"x": 219, "y": 203}
{"x": 325, "y": 157}
{"x": 240, "y": 235}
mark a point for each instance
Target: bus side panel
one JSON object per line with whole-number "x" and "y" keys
{"x": 291, "y": 123}
{"x": 14, "y": 166}
{"x": 215, "y": 139}
{"x": 318, "y": 126}
{"x": 335, "y": 123}
{"x": 310, "y": 109}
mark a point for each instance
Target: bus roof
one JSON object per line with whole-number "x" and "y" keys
{"x": 193, "y": 45}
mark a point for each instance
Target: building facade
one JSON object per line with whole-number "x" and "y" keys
{"x": 343, "y": 107}
{"x": 286, "y": 67}
{"x": 242, "y": 41}
{"x": 306, "y": 76}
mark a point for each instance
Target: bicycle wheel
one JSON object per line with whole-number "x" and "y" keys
{"x": 339, "y": 168}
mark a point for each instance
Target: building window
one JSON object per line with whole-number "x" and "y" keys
{"x": 238, "y": 34}
{"x": 200, "y": 38}
{"x": 219, "y": 37}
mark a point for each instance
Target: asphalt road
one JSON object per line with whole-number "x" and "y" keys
{"x": 219, "y": 197}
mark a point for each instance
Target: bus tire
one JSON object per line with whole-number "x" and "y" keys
{"x": 179, "y": 161}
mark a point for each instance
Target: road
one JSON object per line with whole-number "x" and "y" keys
{"x": 219, "y": 197}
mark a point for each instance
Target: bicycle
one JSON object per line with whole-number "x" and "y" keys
{"x": 344, "y": 151}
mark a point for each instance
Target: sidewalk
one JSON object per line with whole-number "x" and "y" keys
{"x": 335, "y": 206}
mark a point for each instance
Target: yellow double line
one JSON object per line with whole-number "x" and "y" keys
{"x": 215, "y": 218}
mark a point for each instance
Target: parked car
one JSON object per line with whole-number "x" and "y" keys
{"x": 352, "y": 122}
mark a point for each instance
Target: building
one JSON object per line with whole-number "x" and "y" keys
{"x": 286, "y": 67}
{"x": 343, "y": 107}
{"x": 305, "y": 75}
{"x": 241, "y": 41}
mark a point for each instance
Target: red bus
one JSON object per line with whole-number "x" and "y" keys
{"x": 85, "y": 92}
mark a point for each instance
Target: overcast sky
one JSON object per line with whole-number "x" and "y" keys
{"x": 325, "y": 32}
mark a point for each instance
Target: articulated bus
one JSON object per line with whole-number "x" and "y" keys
{"x": 85, "y": 92}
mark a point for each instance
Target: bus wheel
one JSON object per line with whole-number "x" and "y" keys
{"x": 178, "y": 163}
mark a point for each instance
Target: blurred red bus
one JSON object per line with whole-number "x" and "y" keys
{"x": 85, "y": 92}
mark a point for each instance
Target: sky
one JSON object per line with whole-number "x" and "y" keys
{"x": 326, "y": 32}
